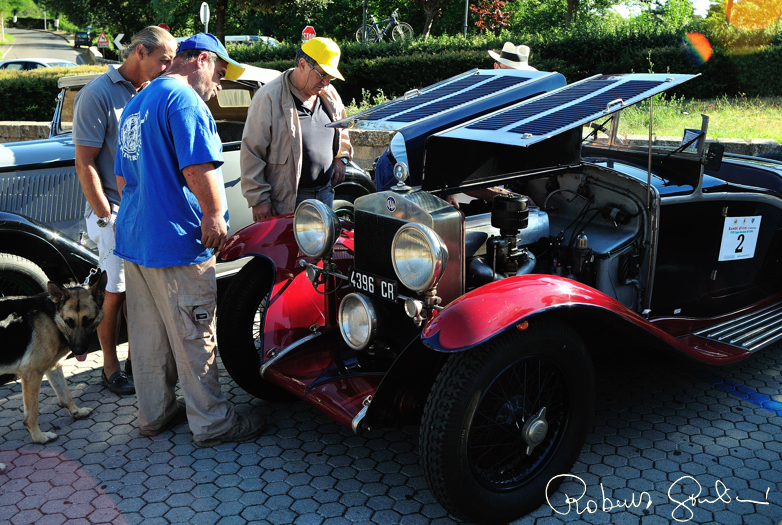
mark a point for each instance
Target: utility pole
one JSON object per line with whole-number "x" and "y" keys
{"x": 466, "y": 9}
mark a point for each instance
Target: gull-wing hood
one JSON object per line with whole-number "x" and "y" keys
{"x": 419, "y": 113}
{"x": 539, "y": 133}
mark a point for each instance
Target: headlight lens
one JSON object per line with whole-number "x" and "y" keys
{"x": 357, "y": 321}
{"x": 316, "y": 228}
{"x": 419, "y": 256}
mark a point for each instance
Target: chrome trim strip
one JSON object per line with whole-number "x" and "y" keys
{"x": 357, "y": 420}
{"x": 288, "y": 349}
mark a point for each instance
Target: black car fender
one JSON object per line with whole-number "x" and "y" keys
{"x": 61, "y": 258}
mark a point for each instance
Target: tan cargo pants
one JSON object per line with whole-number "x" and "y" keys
{"x": 171, "y": 321}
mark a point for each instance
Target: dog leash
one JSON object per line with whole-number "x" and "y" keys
{"x": 94, "y": 271}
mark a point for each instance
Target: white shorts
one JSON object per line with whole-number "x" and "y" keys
{"x": 104, "y": 238}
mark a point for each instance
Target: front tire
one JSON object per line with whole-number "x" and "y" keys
{"x": 372, "y": 35}
{"x": 240, "y": 328}
{"x": 20, "y": 276}
{"x": 505, "y": 418}
{"x": 402, "y": 31}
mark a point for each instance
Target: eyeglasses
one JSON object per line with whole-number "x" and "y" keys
{"x": 323, "y": 76}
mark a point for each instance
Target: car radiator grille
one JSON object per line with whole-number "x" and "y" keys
{"x": 373, "y": 237}
{"x": 48, "y": 198}
{"x": 750, "y": 332}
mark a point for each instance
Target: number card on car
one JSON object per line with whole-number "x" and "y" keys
{"x": 739, "y": 238}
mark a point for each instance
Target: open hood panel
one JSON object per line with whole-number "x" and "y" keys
{"x": 468, "y": 94}
{"x": 539, "y": 133}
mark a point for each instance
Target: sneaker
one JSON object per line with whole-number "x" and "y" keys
{"x": 128, "y": 367}
{"x": 180, "y": 416}
{"x": 119, "y": 383}
{"x": 245, "y": 429}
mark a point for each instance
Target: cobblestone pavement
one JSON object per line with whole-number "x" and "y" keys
{"x": 658, "y": 419}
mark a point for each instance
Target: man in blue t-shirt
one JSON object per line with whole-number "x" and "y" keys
{"x": 172, "y": 219}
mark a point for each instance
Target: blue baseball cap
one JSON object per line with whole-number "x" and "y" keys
{"x": 209, "y": 42}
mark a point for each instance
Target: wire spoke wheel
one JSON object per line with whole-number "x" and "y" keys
{"x": 503, "y": 419}
{"x": 402, "y": 31}
{"x": 372, "y": 34}
{"x": 498, "y": 445}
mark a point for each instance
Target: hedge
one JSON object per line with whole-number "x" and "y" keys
{"x": 32, "y": 95}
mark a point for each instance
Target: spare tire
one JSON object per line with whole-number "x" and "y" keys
{"x": 20, "y": 276}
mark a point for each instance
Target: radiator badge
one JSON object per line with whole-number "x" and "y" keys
{"x": 391, "y": 204}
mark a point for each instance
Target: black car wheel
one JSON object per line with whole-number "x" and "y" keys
{"x": 19, "y": 276}
{"x": 239, "y": 330}
{"x": 503, "y": 419}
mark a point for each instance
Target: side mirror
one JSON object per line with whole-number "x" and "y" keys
{"x": 713, "y": 159}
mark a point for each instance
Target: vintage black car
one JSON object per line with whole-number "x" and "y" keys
{"x": 479, "y": 323}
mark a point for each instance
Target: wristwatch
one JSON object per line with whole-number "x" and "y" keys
{"x": 344, "y": 160}
{"x": 103, "y": 221}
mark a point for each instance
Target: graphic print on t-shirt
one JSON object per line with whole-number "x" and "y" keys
{"x": 130, "y": 135}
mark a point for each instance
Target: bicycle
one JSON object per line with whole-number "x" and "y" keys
{"x": 399, "y": 30}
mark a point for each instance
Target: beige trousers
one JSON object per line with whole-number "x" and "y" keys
{"x": 171, "y": 321}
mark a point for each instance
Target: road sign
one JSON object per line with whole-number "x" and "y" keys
{"x": 118, "y": 42}
{"x": 308, "y": 33}
{"x": 103, "y": 40}
{"x": 205, "y": 16}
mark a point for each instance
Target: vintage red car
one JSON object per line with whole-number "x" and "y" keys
{"x": 479, "y": 323}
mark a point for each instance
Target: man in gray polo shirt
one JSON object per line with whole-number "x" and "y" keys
{"x": 96, "y": 113}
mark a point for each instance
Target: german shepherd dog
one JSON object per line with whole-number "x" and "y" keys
{"x": 38, "y": 332}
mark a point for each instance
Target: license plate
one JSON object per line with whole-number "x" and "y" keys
{"x": 373, "y": 284}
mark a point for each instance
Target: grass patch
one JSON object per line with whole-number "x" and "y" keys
{"x": 9, "y": 39}
{"x": 729, "y": 117}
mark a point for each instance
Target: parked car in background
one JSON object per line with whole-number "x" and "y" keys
{"x": 26, "y": 64}
{"x": 242, "y": 39}
{"x": 81, "y": 38}
{"x": 479, "y": 324}
{"x": 252, "y": 39}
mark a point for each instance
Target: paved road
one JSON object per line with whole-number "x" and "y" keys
{"x": 30, "y": 43}
{"x": 659, "y": 419}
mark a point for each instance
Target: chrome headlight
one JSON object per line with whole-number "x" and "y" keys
{"x": 316, "y": 228}
{"x": 357, "y": 321}
{"x": 419, "y": 256}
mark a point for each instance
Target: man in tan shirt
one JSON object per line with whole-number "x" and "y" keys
{"x": 288, "y": 154}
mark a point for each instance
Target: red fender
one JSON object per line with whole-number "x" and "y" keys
{"x": 273, "y": 238}
{"x": 491, "y": 309}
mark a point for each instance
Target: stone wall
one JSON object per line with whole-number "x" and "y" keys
{"x": 18, "y": 131}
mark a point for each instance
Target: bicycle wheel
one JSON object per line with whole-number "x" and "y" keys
{"x": 402, "y": 31}
{"x": 372, "y": 34}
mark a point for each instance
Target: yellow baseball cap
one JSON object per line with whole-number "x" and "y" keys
{"x": 326, "y": 53}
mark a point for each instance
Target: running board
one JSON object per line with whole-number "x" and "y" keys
{"x": 750, "y": 332}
